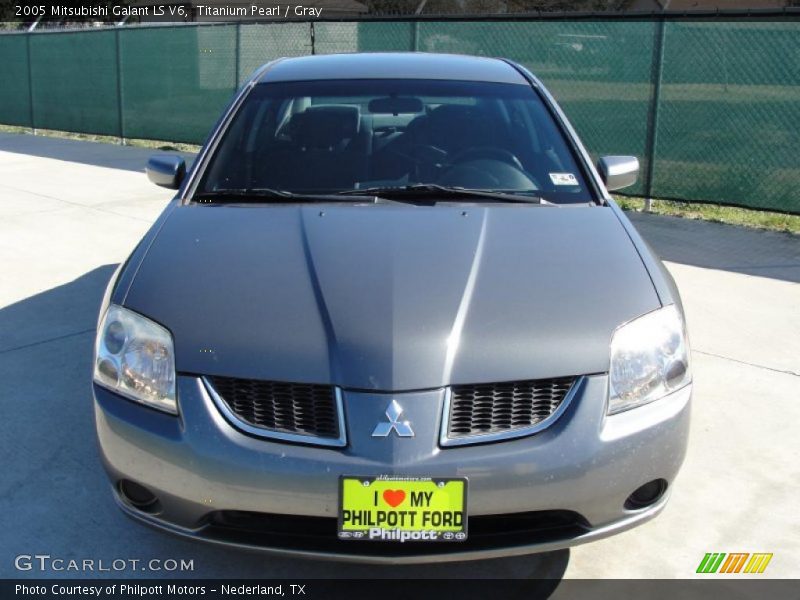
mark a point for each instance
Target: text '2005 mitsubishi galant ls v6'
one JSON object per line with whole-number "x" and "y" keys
{"x": 392, "y": 315}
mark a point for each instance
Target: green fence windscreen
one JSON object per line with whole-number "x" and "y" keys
{"x": 260, "y": 43}
{"x": 331, "y": 38}
{"x": 393, "y": 36}
{"x": 15, "y": 93}
{"x": 74, "y": 81}
{"x": 711, "y": 108}
{"x": 729, "y": 114}
{"x": 176, "y": 81}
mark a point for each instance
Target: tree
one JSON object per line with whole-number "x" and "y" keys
{"x": 7, "y": 10}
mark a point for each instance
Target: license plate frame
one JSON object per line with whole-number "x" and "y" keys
{"x": 443, "y": 523}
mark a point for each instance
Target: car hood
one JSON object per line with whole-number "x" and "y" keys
{"x": 388, "y": 297}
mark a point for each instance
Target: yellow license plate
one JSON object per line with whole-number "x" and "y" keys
{"x": 385, "y": 509}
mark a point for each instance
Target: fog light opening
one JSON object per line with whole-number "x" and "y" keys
{"x": 646, "y": 495}
{"x": 138, "y": 496}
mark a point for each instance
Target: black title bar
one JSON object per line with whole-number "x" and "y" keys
{"x": 396, "y": 589}
{"x": 34, "y": 15}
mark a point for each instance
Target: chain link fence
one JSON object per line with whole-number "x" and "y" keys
{"x": 710, "y": 107}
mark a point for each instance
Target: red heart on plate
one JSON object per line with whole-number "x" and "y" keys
{"x": 394, "y": 497}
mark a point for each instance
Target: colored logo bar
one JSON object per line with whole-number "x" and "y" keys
{"x": 734, "y": 562}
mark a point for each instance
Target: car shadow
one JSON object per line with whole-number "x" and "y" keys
{"x": 55, "y": 498}
{"x": 98, "y": 154}
{"x": 712, "y": 245}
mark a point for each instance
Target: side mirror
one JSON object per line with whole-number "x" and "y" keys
{"x": 166, "y": 170}
{"x": 618, "y": 171}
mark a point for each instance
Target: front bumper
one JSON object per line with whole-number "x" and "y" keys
{"x": 585, "y": 464}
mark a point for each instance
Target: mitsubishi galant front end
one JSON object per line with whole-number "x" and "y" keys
{"x": 393, "y": 315}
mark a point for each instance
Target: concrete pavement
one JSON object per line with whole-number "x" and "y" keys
{"x": 70, "y": 211}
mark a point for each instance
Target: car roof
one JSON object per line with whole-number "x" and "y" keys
{"x": 392, "y": 65}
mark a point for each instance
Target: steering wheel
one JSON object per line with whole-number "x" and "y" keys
{"x": 492, "y": 152}
{"x": 427, "y": 159}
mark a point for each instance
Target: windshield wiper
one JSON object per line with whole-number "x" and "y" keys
{"x": 259, "y": 195}
{"x": 427, "y": 192}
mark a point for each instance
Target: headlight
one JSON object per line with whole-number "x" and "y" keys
{"x": 649, "y": 359}
{"x": 134, "y": 357}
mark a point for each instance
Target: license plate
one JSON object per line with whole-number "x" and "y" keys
{"x": 385, "y": 509}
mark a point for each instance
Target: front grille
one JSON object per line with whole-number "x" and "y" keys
{"x": 284, "y": 408}
{"x": 503, "y": 408}
{"x": 318, "y": 534}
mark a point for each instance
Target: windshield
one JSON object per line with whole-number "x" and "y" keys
{"x": 329, "y": 137}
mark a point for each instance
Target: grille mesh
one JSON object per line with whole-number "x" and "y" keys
{"x": 503, "y": 407}
{"x": 297, "y": 408}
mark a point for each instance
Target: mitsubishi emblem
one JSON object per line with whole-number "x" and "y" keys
{"x": 401, "y": 428}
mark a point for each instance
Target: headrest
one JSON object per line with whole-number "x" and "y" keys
{"x": 320, "y": 127}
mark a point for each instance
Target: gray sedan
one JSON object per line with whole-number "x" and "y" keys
{"x": 392, "y": 315}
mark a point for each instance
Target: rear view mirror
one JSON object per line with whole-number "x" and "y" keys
{"x": 166, "y": 170}
{"x": 395, "y": 105}
{"x": 618, "y": 171}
